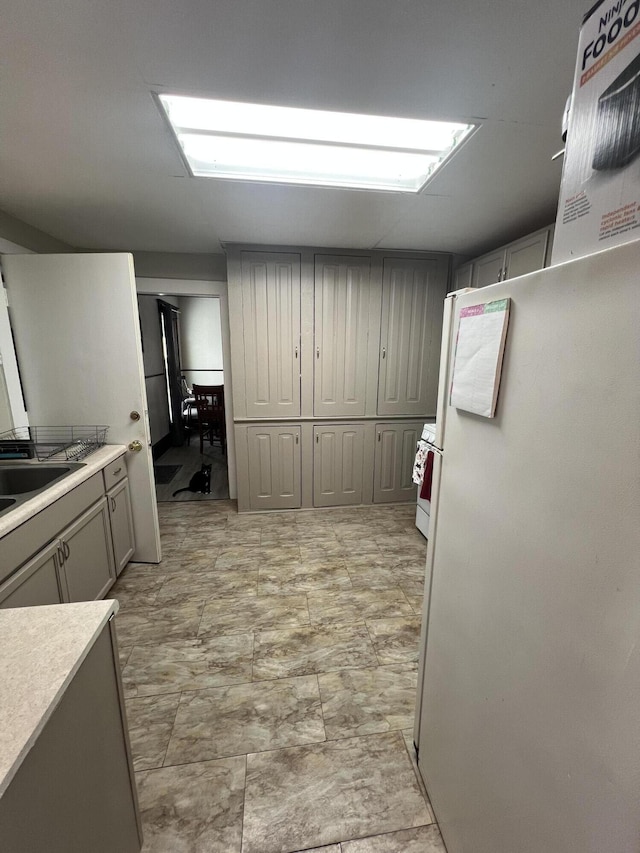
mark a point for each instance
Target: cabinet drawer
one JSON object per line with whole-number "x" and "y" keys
{"x": 114, "y": 472}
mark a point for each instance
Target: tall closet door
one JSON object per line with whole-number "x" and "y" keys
{"x": 274, "y": 467}
{"x": 412, "y": 301}
{"x": 338, "y": 454}
{"x": 341, "y": 333}
{"x": 271, "y": 323}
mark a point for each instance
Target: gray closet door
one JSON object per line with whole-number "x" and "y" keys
{"x": 341, "y": 334}
{"x": 338, "y": 464}
{"x": 271, "y": 324}
{"x": 274, "y": 467}
{"x": 88, "y": 566}
{"x": 394, "y": 456}
{"x": 413, "y": 292}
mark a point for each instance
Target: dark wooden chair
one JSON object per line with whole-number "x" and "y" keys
{"x": 209, "y": 400}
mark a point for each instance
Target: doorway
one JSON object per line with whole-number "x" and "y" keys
{"x": 182, "y": 347}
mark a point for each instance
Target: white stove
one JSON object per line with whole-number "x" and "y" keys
{"x": 423, "y": 509}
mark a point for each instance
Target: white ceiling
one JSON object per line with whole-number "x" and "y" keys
{"x": 86, "y": 157}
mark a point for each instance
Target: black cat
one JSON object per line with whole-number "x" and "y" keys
{"x": 200, "y": 482}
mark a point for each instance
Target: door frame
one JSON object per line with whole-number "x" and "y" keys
{"x": 148, "y": 286}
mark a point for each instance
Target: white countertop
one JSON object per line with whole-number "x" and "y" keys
{"x": 42, "y": 650}
{"x": 96, "y": 461}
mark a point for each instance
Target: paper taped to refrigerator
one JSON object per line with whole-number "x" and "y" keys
{"x": 482, "y": 331}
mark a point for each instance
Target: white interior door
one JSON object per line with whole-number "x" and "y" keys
{"x": 77, "y": 333}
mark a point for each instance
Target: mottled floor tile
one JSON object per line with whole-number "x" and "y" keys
{"x": 201, "y": 586}
{"x": 366, "y": 701}
{"x": 191, "y": 559}
{"x": 238, "y": 615}
{"x": 157, "y": 624}
{"x": 403, "y": 544}
{"x": 395, "y": 640}
{"x": 229, "y": 536}
{"x": 354, "y": 530}
{"x": 422, "y": 839}
{"x": 308, "y": 796}
{"x": 137, "y": 588}
{"x": 123, "y": 655}
{"x": 415, "y": 596}
{"x": 322, "y": 573}
{"x": 188, "y": 665}
{"x": 301, "y": 651}
{"x": 150, "y": 720}
{"x": 246, "y": 718}
{"x": 356, "y": 605}
{"x": 314, "y": 550}
{"x": 331, "y": 848}
{"x": 407, "y": 734}
{"x": 250, "y": 558}
{"x": 195, "y": 808}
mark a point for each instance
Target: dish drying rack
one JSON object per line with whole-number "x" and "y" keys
{"x": 52, "y": 443}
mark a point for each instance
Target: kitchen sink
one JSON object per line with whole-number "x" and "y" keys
{"x": 21, "y": 481}
{"x": 18, "y": 479}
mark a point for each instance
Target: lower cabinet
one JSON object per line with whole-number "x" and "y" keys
{"x": 89, "y": 537}
{"x": 394, "y": 456}
{"x": 87, "y": 555}
{"x": 37, "y": 582}
{"x": 274, "y": 467}
{"x": 122, "y": 536}
{"x": 338, "y": 457}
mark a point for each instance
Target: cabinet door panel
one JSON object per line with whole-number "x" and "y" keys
{"x": 463, "y": 277}
{"x": 412, "y": 301}
{"x": 527, "y": 255}
{"x": 341, "y": 333}
{"x": 271, "y": 323}
{"x": 487, "y": 270}
{"x": 37, "y": 582}
{"x": 122, "y": 536}
{"x": 274, "y": 467}
{"x": 88, "y": 565}
{"x": 338, "y": 464}
{"x": 395, "y": 453}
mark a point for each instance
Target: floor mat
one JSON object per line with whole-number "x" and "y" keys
{"x": 165, "y": 473}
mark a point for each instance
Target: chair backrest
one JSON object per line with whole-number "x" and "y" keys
{"x": 209, "y": 402}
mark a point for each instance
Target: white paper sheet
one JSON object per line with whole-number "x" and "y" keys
{"x": 477, "y": 366}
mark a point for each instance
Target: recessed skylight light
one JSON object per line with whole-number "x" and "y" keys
{"x": 287, "y": 145}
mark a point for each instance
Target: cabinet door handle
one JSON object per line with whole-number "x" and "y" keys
{"x": 67, "y": 550}
{"x": 117, "y": 471}
{"x": 317, "y": 352}
{"x": 379, "y": 436}
{"x": 113, "y": 504}
{"x": 61, "y": 556}
{"x": 384, "y": 352}
{"x": 297, "y": 439}
{"x": 296, "y": 352}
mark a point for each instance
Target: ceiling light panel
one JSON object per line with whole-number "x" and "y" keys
{"x": 255, "y": 142}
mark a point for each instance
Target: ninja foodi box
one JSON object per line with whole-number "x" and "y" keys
{"x": 599, "y": 202}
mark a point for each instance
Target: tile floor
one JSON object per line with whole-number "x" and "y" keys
{"x": 269, "y": 668}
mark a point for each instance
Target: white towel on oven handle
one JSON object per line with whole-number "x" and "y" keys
{"x": 422, "y": 449}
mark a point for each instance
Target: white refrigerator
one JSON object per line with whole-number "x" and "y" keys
{"x": 528, "y": 712}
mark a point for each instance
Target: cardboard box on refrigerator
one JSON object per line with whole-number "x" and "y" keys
{"x": 599, "y": 202}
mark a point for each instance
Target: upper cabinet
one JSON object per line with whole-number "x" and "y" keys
{"x": 270, "y": 291}
{"x": 413, "y": 293}
{"x": 528, "y": 254}
{"x": 341, "y": 330}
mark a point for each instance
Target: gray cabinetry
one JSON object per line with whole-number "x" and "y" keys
{"x": 37, "y": 582}
{"x": 342, "y": 298}
{"x": 338, "y": 458}
{"x": 87, "y": 565}
{"x": 526, "y": 255}
{"x": 488, "y": 269}
{"x": 270, "y": 284}
{"x": 394, "y": 455}
{"x": 121, "y": 523}
{"x": 274, "y": 467}
{"x": 75, "y": 791}
{"x": 412, "y": 301}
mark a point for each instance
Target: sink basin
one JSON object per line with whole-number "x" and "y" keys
{"x": 5, "y": 503}
{"x": 19, "y": 479}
